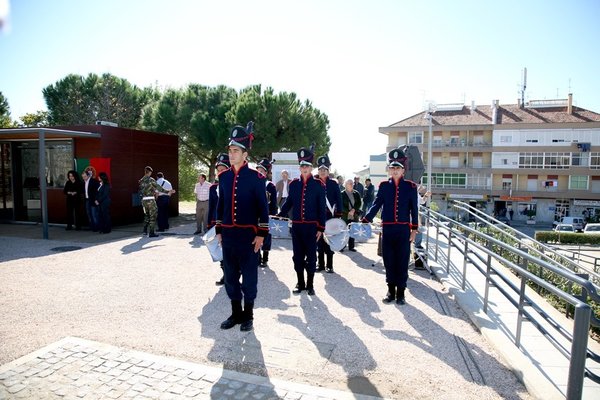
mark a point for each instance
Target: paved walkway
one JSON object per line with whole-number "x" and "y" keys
{"x": 76, "y": 368}
{"x": 149, "y": 312}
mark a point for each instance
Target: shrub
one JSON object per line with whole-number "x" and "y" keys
{"x": 567, "y": 238}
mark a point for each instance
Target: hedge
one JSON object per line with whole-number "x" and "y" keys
{"x": 567, "y": 238}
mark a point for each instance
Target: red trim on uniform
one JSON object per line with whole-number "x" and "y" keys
{"x": 396, "y": 198}
{"x": 254, "y": 228}
{"x": 304, "y": 182}
{"x": 396, "y": 223}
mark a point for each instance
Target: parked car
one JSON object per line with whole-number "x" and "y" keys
{"x": 592, "y": 228}
{"x": 564, "y": 228}
{"x": 577, "y": 222}
{"x": 503, "y": 219}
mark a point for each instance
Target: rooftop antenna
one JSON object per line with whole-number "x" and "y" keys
{"x": 523, "y": 86}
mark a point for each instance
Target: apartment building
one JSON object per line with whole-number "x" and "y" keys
{"x": 540, "y": 159}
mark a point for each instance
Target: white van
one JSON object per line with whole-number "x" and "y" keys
{"x": 577, "y": 222}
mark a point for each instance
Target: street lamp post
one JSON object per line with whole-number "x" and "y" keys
{"x": 429, "y": 117}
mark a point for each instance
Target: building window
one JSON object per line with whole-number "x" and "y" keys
{"x": 595, "y": 160}
{"x": 531, "y": 160}
{"x": 59, "y": 160}
{"x": 505, "y": 139}
{"x": 578, "y": 182}
{"x": 580, "y": 159}
{"x": 478, "y": 182}
{"x": 557, "y": 160}
{"x": 415, "y": 137}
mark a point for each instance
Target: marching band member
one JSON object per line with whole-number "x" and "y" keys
{"x": 241, "y": 226}
{"x": 306, "y": 199}
{"x": 400, "y": 219}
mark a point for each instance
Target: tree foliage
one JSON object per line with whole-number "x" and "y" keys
{"x": 197, "y": 114}
{"x": 38, "y": 118}
{"x": 78, "y": 100}
{"x": 203, "y": 116}
{"x": 5, "y": 121}
{"x": 282, "y": 121}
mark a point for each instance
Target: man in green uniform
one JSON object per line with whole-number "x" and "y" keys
{"x": 148, "y": 187}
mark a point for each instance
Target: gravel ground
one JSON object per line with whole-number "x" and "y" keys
{"x": 159, "y": 296}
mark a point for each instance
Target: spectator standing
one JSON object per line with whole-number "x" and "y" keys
{"x": 73, "y": 190}
{"x": 282, "y": 187}
{"x": 423, "y": 196}
{"x": 162, "y": 202}
{"x": 90, "y": 190}
{"x": 103, "y": 202}
{"x": 201, "y": 190}
{"x": 148, "y": 188}
{"x": 358, "y": 186}
{"x": 242, "y": 224}
{"x": 368, "y": 196}
{"x": 341, "y": 184}
{"x": 351, "y": 203}
{"x": 307, "y": 203}
{"x": 398, "y": 200}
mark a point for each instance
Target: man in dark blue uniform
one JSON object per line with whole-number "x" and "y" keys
{"x": 306, "y": 199}
{"x": 213, "y": 199}
{"x": 400, "y": 221}
{"x": 242, "y": 224}
{"x": 333, "y": 201}
{"x": 264, "y": 167}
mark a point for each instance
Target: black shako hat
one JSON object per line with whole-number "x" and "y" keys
{"x": 242, "y": 137}
{"x": 265, "y": 163}
{"x": 306, "y": 156}
{"x": 323, "y": 162}
{"x": 396, "y": 158}
{"x": 223, "y": 159}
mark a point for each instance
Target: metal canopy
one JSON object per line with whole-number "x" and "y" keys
{"x": 41, "y": 134}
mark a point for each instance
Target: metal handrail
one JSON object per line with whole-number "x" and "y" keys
{"x": 564, "y": 261}
{"x": 583, "y": 316}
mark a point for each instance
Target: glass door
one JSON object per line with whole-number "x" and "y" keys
{"x": 6, "y": 184}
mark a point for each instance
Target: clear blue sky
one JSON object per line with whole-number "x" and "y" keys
{"x": 366, "y": 64}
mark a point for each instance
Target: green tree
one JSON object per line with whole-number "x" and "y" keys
{"x": 5, "y": 121}
{"x": 282, "y": 121}
{"x": 77, "y": 100}
{"x": 38, "y": 118}
{"x": 197, "y": 115}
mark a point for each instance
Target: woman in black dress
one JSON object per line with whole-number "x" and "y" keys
{"x": 103, "y": 203}
{"x": 73, "y": 190}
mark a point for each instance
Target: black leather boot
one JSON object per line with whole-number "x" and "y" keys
{"x": 152, "y": 234}
{"x": 321, "y": 262}
{"x": 301, "y": 285}
{"x": 391, "y": 294}
{"x": 265, "y": 259}
{"x": 400, "y": 296}
{"x": 222, "y": 280}
{"x": 330, "y": 263}
{"x": 235, "y": 317}
{"x": 247, "y": 317}
{"x": 309, "y": 284}
{"x": 145, "y": 231}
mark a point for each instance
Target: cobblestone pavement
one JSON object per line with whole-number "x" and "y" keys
{"x": 75, "y": 368}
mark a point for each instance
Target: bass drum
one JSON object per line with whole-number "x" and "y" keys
{"x": 213, "y": 245}
{"x": 336, "y": 234}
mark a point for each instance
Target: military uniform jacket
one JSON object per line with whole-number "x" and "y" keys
{"x": 332, "y": 191}
{"x": 242, "y": 201}
{"x": 307, "y": 202}
{"x": 400, "y": 203}
{"x": 213, "y": 199}
{"x": 148, "y": 186}
{"x": 272, "y": 198}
